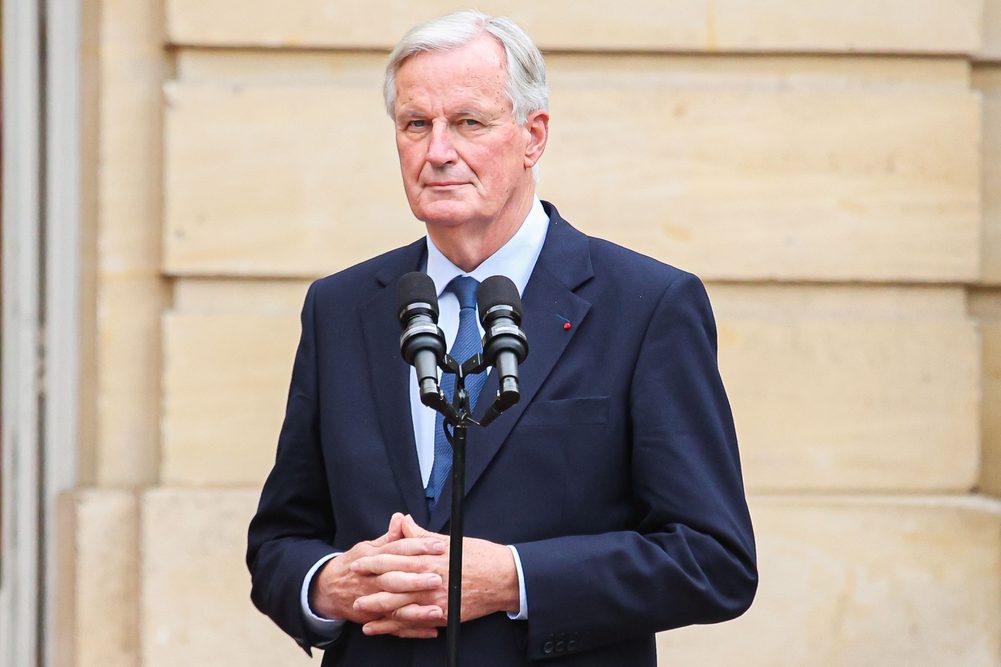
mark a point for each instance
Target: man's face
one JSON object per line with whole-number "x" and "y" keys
{"x": 463, "y": 157}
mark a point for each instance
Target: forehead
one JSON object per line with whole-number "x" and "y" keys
{"x": 475, "y": 72}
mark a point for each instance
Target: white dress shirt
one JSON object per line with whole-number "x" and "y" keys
{"x": 515, "y": 259}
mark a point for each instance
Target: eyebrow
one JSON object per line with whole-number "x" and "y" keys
{"x": 409, "y": 111}
{"x": 472, "y": 111}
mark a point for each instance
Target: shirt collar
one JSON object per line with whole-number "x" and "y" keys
{"x": 515, "y": 259}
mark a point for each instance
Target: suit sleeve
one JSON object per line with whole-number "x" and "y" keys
{"x": 690, "y": 558}
{"x": 294, "y": 523}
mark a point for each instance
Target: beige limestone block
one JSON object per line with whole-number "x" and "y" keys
{"x": 212, "y": 296}
{"x": 908, "y": 26}
{"x": 98, "y": 595}
{"x": 812, "y": 177}
{"x": 990, "y": 477}
{"x": 863, "y": 581}
{"x": 887, "y": 26}
{"x": 762, "y": 71}
{"x": 127, "y": 175}
{"x": 785, "y": 184}
{"x": 225, "y": 383}
{"x": 196, "y": 608}
{"x": 991, "y": 49}
{"x": 988, "y": 81}
{"x": 986, "y": 307}
{"x": 280, "y": 180}
{"x": 832, "y": 388}
{"x": 837, "y": 388}
{"x": 128, "y": 371}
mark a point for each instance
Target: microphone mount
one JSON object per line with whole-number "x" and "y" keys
{"x": 422, "y": 345}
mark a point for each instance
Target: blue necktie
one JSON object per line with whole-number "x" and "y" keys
{"x": 467, "y": 343}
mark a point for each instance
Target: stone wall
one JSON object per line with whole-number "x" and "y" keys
{"x": 829, "y": 167}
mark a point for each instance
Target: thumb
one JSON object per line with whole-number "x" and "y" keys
{"x": 393, "y": 533}
{"x": 411, "y": 529}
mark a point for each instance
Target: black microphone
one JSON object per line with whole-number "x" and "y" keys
{"x": 422, "y": 343}
{"x": 504, "y": 343}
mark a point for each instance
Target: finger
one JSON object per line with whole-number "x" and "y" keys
{"x": 419, "y": 615}
{"x": 383, "y": 563}
{"x": 417, "y": 633}
{"x": 387, "y": 626}
{"x": 383, "y": 603}
{"x": 411, "y": 529}
{"x": 396, "y": 525}
{"x": 408, "y": 582}
{"x": 414, "y": 546}
{"x": 393, "y": 533}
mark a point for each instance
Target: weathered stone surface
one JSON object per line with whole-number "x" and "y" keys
{"x": 195, "y": 597}
{"x": 987, "y": 79}
{"x": 128, "y": 364}
{"x": 225, "y": 383}
{"x": 783, "y": 175}
{"x": 785, "y": 184}
{"x": 851, "y": 388}
{"x": 98, "y": 596}
{"x": 291, "y": 197}
{"x": 907, "y": 26}
{"x": 833, "y": 388}
{"x": 991, "y": 49}
{"x": 986, "y": 306}
{"x": 126, "y": 173}
{"x": 879, "y": 581}
{"x": 843, "y": 581}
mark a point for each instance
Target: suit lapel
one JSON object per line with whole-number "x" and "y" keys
{"x": 548, "y": 303}
{"x": 390, "y": 379}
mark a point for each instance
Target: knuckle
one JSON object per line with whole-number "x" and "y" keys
{"x": 410, "y": 546}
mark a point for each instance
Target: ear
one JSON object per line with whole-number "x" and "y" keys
{"x": 537, "y": 128}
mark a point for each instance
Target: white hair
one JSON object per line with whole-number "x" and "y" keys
{"x": 526, "y": 71}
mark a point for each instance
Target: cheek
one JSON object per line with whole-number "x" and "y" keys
{"x": 498, "y": 177}
{"x": 411, "y": 162}
{"x": 410, "y": 151}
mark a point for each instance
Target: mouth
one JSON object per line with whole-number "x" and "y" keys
{"x": 445, "y": 185}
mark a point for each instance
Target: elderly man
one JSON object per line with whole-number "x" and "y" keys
{"x": 605, "y": 506}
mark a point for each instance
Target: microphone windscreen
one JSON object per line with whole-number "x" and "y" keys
{"x": 416, "y": 287}
{"x": 497, "y": 291}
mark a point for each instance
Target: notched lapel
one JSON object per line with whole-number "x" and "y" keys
{"x": 548, "y": 303}
{"x": 390, "y": 381}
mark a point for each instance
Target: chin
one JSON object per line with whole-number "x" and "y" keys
{"x": 445, "y": 213}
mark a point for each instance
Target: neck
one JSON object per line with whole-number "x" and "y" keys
{"x": 469, "y": 244}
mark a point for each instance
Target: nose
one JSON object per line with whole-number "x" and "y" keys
{"x": 441, "y": 151}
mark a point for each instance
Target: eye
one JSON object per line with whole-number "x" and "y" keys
{"x": 469, "y": 122}
{"x": 417, "y": 124}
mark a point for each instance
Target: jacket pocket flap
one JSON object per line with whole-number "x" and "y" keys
{"x": 566, "y": 412}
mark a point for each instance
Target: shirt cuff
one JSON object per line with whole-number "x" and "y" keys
{"x": 326, "y": 630}
{"x": 522, "y": 614}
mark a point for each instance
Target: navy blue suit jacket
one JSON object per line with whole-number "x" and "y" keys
{"x": 616, "y": 476}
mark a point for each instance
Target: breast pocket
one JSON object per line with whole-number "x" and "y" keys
{"x": 566, "y": 412}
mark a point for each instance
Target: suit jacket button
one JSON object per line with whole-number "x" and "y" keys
{"x": 547, "y": 647}
{"x": 561, "y": 646}
{"x": 572, "y": 645}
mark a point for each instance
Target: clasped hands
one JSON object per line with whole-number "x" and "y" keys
{"x": 397, "y": 584}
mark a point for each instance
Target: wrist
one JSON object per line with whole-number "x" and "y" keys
{"x": 321, "y": 604}
{"x": 510, "y": 586}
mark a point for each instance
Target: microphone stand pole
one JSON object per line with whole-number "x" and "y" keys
{"x": 459, "y": 415}
{"x": 458, "y": 441}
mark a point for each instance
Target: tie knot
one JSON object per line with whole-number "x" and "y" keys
{"x": 464, "y": 288}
